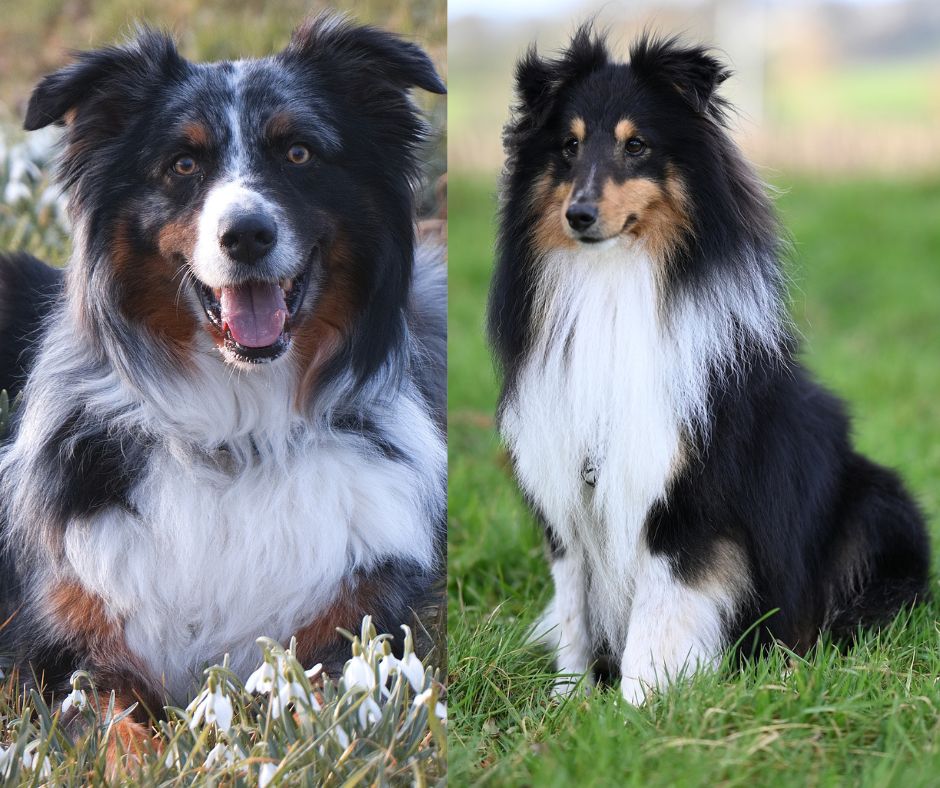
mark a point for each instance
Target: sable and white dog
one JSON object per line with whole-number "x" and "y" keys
{"x": 689, "y": 474}
{"x": 232, "y": 407}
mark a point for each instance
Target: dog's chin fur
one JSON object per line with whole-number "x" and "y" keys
{"x": 690, "y": 476}
{"x": 162, "y": 505}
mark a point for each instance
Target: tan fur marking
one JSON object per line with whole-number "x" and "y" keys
{"x": 81, "y": 616}
{"x": 652, "y": 212}
{"x": 728, "y": 570}
{"x": 279, "y": 125}
{"x": 197, "y": 135}
{"x": 624, "y": 130}
{"x": 150, "y": 285}
{"x": 550, "y": 204}
{"x": 579, "y": 129}
{"x": 351, "y": 604}
{"x": 129, "y": 740}
{"x": 81, "y": 619}
{"x": 322, "y": 333}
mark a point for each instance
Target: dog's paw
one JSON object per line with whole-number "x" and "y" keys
{"x": 569, "y": 685}
{"x": 635, "y": 691}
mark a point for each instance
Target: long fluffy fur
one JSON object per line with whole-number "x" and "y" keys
{"x": 162, "y": 505}
{"x": 689, "y": 474}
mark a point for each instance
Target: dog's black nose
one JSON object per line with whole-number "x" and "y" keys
{"x": 581, "y": 215}
{"x": 248, "y": 237}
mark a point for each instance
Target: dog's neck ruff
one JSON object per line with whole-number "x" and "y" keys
{"x": 615, "y": 391}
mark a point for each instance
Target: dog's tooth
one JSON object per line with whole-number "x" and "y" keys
{"x": 287, "y": 285}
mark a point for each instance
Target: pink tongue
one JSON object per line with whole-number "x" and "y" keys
{"x": 254, "y": 313}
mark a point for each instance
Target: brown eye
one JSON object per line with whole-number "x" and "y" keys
{"x": 185, "y": 165}
{"x": 635, "y": 146}
{"x": 298, "y": 154}
{"x": 570, "y": 148}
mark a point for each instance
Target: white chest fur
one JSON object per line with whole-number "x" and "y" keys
{"x": 215, "y": 558}
{"x": 599, "y": 387}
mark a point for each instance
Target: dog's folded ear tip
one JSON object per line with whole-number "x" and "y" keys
{"x": 436, "y": 86}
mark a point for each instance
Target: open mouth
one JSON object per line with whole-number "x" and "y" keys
{"x": 255, "y": 317}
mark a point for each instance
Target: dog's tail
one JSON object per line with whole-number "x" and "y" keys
{"x": 882, "y": 554}
{"x": 28, "y": 288}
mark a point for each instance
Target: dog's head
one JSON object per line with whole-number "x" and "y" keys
{"x": 616, "y": 150}
{"x": 265, "y": 203}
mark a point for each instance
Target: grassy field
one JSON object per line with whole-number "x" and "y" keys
{"x": 866, "y": 295}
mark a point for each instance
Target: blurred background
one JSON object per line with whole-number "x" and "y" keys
{"x": 36, "y": 38}
{"x": 820, "y": 86}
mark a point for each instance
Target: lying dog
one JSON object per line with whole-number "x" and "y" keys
{"x": 232, "y": 417}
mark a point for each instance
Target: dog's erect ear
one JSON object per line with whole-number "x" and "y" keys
{"x": 331, "y": 39}
{"x": 112, "y": 74}
{"x": 691, "y": 70}
{"x": 539, "y": 81}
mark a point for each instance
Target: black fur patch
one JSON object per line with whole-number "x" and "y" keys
{"x": 28, "y": 290}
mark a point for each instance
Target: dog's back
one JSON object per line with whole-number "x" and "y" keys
{"x": 27, "y": 289}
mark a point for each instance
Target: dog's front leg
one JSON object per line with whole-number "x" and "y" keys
{"x": 674, "y": 629}
{"x": 564, "y": 625}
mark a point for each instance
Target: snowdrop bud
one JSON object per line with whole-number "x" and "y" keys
{"x": 266, "y": 774}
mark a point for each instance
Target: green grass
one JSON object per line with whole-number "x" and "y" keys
{"x": 866, "y": 294}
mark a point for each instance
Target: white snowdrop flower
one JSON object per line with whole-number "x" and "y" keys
{"x": 314, "y": 671}
{"x": 29, "y": 759}
{"x": 76, "y": 698}
{"x": 41, "y": 144}
{"x": 221, "y": 753}
{"x": 421, "y": 699}
{"x": 262, "y": 680}
{"x": 15, "y": 192}
{"x": 266, "y": 774}
{"x": 369, "y": 712}
{"x": 413, "y": 670}
{"x": 213, "y": 706}
{"x": 388, "y": 666}
{"x": 6, "y": 761}
{"x": 341, "y": 736}
{"x": 359, "y": 674}
{"x": 172, "y": 759}
{"x": 290, "y": 692}
{"x": 49, "y": 196}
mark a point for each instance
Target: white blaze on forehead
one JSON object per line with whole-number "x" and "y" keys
{"x": 238, "y": 151}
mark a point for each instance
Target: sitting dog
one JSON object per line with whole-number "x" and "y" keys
{"x": 690, "y": 475}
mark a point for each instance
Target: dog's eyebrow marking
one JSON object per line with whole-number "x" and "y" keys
{"x": 579, "y": 128}
{"x": 197, "y": 134}
{"x": 624, "y": 130}
{"x": 280, "y": 124}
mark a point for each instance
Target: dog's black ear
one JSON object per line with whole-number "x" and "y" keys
{"x": 691, "y": 70}
{"x": 112, "y": 74}
{"x": 539, "y": 81}
{"x": 332, "y": 39}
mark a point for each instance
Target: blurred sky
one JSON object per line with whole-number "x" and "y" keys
{"x": 520, "y": 9}
{"x": 818, "y": 85}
